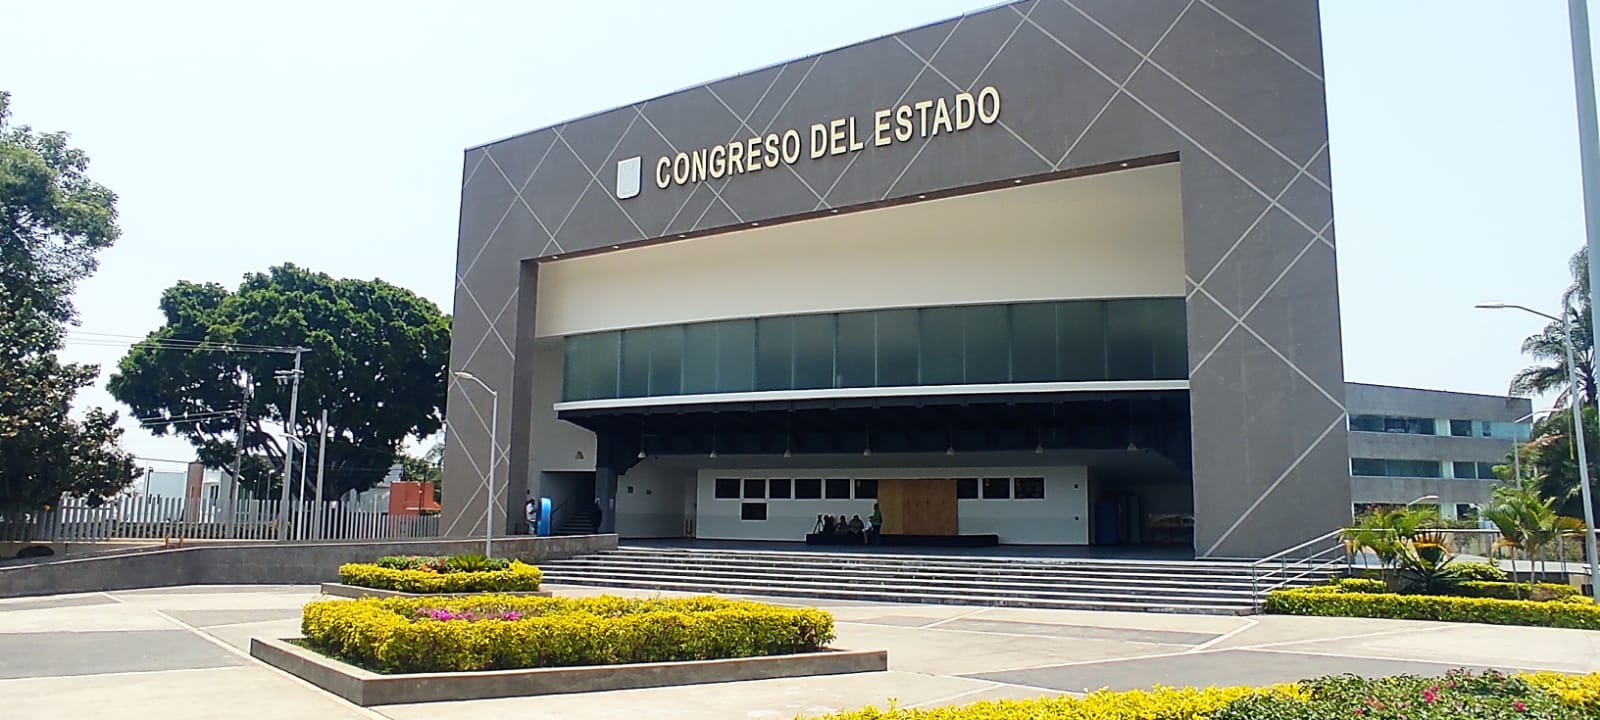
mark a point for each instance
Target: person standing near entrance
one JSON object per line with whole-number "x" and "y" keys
{"x": 599, "y": 516}
{"x": 876, "y": 531}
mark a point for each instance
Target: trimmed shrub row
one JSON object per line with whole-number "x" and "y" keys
{"x": 1361, "y": 585}
{"x": 1515, "y": 591}
{"x": 516, "y": 577}
{"x": 1472, "y": 588}
{"x": 443, "y": 564}
{"x": 1458, "y": 695}
{"x": 1163, "y": 703}
{"x": 1331, "y": 601}
{"x": 1465, "y": 570}
{"x": 399, "y": 635}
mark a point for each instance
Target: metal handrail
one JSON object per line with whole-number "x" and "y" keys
{"x": 1320, "y": 538}
{"x": 1312, "y": 563}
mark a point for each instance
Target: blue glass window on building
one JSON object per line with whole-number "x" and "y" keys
{"x": 1067, "y": 341}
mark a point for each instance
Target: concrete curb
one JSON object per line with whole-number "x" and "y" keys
{"x": 357, "y": 592}
{"x": 366, "y": 688}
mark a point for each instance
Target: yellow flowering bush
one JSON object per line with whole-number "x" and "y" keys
{"x": 517, "y": 577}
{"x": 1159, "y": 703}
{"x": 1581, "y": 691}
{"x": 1564, "y": 696}
{"x": 498, "y": 632}
{"x": 1330, "y": 601}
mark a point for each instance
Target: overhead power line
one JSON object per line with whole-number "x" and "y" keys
{"x": 89, "y": 338}
{"x": 208, "y": 415}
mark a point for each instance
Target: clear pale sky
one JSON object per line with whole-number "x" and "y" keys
{"x": 238, "y": 136}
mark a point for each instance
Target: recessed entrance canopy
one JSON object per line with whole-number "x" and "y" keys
{"x": 1088, "y": 422}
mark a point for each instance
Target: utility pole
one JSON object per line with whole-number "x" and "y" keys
{"x": 292, "y": 376}
{"x": 322, "y": 463}
{"x": 230, "y": 504}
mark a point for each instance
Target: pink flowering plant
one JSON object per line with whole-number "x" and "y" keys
{"x": 446, "y": 614}
{"x": 1459, "y": 695}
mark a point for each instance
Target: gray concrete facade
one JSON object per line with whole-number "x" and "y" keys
{"x": 1230, "y": 89}
{"x": 1508, "y": 413}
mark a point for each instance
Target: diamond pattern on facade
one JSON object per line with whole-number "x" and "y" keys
{"x": 1233, "y": 87}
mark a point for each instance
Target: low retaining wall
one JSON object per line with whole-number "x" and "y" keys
{"x": 357, "y": 592}
{"x": 268, "y": 563}
{"x": 366, "y": 688}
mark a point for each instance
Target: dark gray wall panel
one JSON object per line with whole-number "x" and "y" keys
{"x": 1232, "y": 87}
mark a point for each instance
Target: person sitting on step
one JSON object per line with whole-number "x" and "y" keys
{"x": 858, "y": 529}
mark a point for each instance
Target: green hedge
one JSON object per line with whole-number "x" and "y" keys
{"x": 1457, "y": 696}
{"x": 394, "y": 635}
{"x": 1331, "y": 602}
{"x": 443, "y": 563}
{"x": 1361, "y": 585}
{"x": 517, "y": 577}
{"x": 1515, "y": 591}
{"x": 1465, "y": 570}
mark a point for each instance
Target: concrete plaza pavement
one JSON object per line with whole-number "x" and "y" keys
{"x": 181, "y": 653}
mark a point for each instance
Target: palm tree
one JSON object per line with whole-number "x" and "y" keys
{"x": 1528, "y": 522}
{"x": 1505, "y": 517}
{"x": 1549, "y": 347}
{"x": 1390, "y": 534}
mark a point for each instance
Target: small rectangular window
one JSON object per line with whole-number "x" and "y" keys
{"x": 966, "y": 488}
{"x": 1486, "y": 471}
{"x": 1461, "y": 428}
{"x": 755, "y": 488}
{"x": 807, "y": 489}
{"x": 838, "y": 489}
{"x": 1367, "y": 467}
{"x": 997, "y": 488}
{"x": 1366, "y": 423}
{"x": 778, "y": 488}
{"x": 1488, "y": 429}
{"x": 752, "y": 511}
{"x": 1465, "y": 470}
{"x": 727, "y": 489}
{"x": 1030, "y": 488}
{"x": 867, "y": 489}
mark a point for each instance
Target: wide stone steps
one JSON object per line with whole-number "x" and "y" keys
{"x": 1040, "y": 569}
{"x": 1157, "y": 586}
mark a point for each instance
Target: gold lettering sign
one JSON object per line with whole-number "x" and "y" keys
{"x": 920, "y": 119}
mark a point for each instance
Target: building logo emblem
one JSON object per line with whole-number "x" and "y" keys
{"x": 628, "y": 175}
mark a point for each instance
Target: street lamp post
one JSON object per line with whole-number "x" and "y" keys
{"x": 1516, "y": 443}
{"x": 488, "y": 475}
{"x": 1575, "y": 401}
{"x": 1420, "y": 499}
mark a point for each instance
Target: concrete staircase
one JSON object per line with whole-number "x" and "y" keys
{"x": 582, "y": 521}
{"x": 1060, "y": 583}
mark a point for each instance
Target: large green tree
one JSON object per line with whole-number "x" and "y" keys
{"x": 1552, "y": 460}
{"x": 53, "y": 219}
{"x": 376, "y": 362}
{"x": 1548, "y": 346}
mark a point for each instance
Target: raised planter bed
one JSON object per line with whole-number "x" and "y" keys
{"x": 356, "y": 591}
{"x": 366, "y": 688}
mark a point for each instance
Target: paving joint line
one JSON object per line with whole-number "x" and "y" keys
{"x": 1249, "y": 623}
{"x": 252, "y": 661}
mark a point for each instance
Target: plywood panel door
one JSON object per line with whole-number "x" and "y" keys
{"x": 918, "y": 506}
{"x": 892, "y": 502}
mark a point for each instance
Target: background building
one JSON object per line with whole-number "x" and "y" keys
{"x": 1408, "y": 444}
{"x": 1053, "y": 272}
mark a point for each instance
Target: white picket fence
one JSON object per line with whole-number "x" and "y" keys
{"x": 161, "y": 518}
